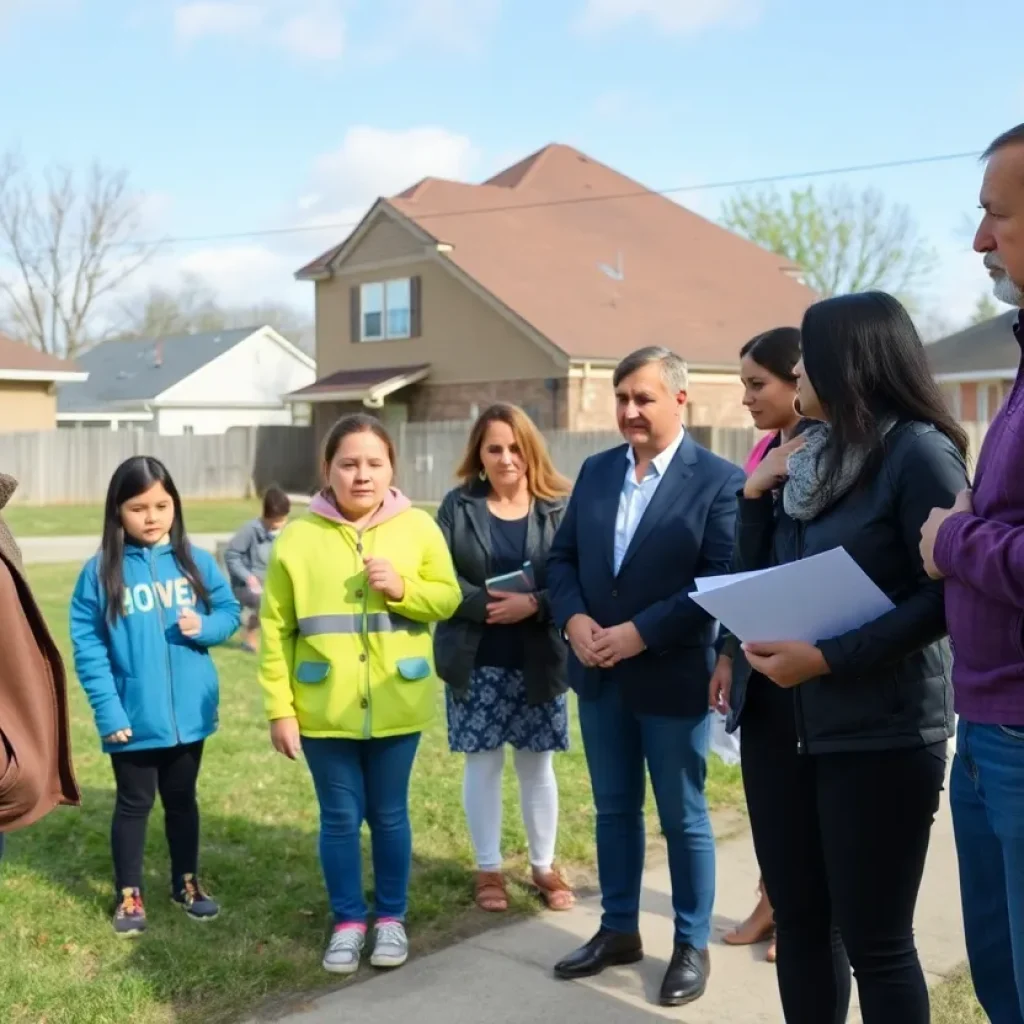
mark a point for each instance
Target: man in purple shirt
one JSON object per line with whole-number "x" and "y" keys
{"x": 978, "y": 546}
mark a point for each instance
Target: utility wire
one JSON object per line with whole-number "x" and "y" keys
{"x": 570, "y": 201}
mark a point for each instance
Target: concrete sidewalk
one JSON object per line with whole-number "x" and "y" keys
{"x": 55, "y": 550}
{"x": 504, "y": 976}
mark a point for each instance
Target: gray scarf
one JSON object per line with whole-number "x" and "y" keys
{"x": 805, "y": 496}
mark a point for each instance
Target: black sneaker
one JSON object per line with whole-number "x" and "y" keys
{"x": 129, "y": 914}
{"x": 197, "y": 903}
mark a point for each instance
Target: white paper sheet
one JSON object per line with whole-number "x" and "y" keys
{"x": 812, "y": 599}
{"x": 705, "y": 583}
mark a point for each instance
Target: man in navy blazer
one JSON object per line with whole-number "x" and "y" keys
{"x": 645, "y": 519}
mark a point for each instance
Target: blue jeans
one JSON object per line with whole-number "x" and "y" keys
{"x": 987, "y": 797}
{"x": 618, "y": 743}
{"x": 357, "y": 781}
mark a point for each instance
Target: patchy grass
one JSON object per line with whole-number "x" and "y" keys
{"x": 60, "y": 961}
{"x": 953, "y": 1002}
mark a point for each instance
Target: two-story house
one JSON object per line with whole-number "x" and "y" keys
{"x": 529, "y": 288}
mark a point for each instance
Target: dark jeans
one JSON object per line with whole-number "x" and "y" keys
{"x": 357, "y": 781}
{"x": 618, "y": 745}
{"x": 986, "y": 792}
{"x": 140, "y": 775}
{"x": 841, "y": 840}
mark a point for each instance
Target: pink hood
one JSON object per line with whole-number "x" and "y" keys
{"x": 394, "y": 503}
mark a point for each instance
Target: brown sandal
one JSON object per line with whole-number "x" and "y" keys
{"x": 554, "y": 890}
{"x": 490, "y": 893}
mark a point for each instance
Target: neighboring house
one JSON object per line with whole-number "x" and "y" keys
{"x": 530, "y": 288}
{"x": 28, "y": 386}
{"x": 188, "y": 384}
{"x": 976, "y": 367}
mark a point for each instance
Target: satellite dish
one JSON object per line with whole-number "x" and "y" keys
{"x": 616, "y": 273}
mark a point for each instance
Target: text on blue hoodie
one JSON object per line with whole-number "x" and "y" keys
{"x": 141, "y": 672}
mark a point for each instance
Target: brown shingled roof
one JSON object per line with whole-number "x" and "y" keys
{"x": 23, "y": 358}
{"x": 535, "y": 234}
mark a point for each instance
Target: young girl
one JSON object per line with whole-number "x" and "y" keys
{"x": 144, "y": 614}
{"x": 347, "y": 668}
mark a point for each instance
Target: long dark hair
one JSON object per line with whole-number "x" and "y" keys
{"x": 777, "y": 350}
{"x": 864, "y": 359}
{"x": 133, "y": 477}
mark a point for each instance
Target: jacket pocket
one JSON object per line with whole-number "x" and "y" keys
{"x": 312, "y": 672}
{"x": 413, "y": 669}
{"x": 9, "y": 770}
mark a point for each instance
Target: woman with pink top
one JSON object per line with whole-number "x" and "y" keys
{"x": 769, "y": 393}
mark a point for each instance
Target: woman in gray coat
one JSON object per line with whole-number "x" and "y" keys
{"x": 501, "y": 655}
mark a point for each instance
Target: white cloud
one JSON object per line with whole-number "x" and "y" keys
{"x": 200, "y": 20}
{"x": 307, "y": 29}
{"x": 680, "y": 17}
{"x": 318, "y": 33}
{"x": 373, "y": 162}
{"x": 342, "y": 184}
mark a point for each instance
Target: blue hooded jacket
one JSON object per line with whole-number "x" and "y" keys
{"x": 142, "y": 673}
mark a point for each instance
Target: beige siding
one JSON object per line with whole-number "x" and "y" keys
{"x": 385, "y": 240}
{"x": 464, "y": 339}
{"x": 27, "y": 405}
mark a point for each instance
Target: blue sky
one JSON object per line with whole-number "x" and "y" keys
{"x": 241, "y": 116}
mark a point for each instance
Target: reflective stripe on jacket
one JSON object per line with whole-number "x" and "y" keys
{"x": 338, "y": 656}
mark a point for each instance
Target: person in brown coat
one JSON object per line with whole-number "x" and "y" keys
{"x": 35, "y": 744}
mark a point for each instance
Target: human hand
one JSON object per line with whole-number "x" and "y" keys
{"x": 721, "y": 685}
{"x": 190, "y": 624}
{"x": 284, "y": 735}
{"x": 121, "y": 736}
{"x": 772, "y": 470}
{"x": 930, "y": 531}
{"x": 580, "y": 630}
{"x": 788, "y": 663}
{"x": 507, "y": 609}
{"x": 617, "y": 643}
{"x": 382, "y": 577}
{"x": 254, "y": 585}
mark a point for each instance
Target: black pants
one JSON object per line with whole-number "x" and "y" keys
{"x": 140, "y": 775}
{"x": 841, "y": 840}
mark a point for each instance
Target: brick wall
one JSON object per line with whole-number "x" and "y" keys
{"x": 446, "y": 402}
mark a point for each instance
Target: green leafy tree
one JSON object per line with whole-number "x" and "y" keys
{"x": 842, "y": 240}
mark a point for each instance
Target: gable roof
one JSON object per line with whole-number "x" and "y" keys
{"x": 22, "y": 362}
{"x": 128, "y": 374}
{"x": 536, "y": 235}
{"x": 988, "y": 347}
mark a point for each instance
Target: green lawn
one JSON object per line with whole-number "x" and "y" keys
{"x": 59, "y": 960}
{"x": 78, "y": 520}
{"x": 953, "y": 1002}
{"x": 87, "y": 520}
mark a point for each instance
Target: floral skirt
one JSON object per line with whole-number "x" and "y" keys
{"x": 495, "y": 712}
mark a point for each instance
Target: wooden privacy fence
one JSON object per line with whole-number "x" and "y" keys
{"x": 74, "y": 466}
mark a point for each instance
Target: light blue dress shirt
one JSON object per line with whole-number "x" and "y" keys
{"x": 635, "y": 497}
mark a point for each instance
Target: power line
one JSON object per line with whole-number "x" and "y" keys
{"x": 571, "y": 201}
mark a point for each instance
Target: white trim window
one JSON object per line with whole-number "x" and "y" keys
{"x": 386, "y": 310}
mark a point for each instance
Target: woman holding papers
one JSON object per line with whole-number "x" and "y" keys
{"x": 769, "y": 395}
{"x": 501, "y": 655}
{"x": 844, "y": 741}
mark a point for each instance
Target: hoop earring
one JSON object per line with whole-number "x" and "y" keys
{"x": 483, "y": 475}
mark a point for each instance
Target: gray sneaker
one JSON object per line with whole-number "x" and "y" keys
{"x": 390, "y": 945}
{"x": 344, "y": 950}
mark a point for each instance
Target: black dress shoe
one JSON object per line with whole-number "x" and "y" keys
{"x": 605, "y": 949}
{"x": 686, "y": 977}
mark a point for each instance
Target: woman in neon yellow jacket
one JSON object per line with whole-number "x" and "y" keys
{"x": 347, "y": 669}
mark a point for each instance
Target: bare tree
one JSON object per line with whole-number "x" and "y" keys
{"x": 985, "y": 309}
{"x": 192, "y": 307}
{"x": 65, "y": 247}
{"x": 843, "y": 241}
